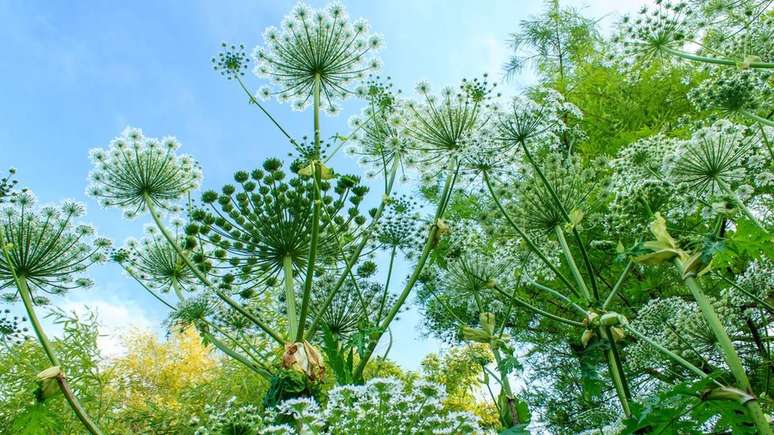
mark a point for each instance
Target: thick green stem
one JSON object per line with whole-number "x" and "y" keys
{"x": 571, "y": 263}
{"x": 727, "y": 349}
{"x": 429, "y": 245}
{"x": 231, "y": 353}
{"x": 355, "y": 255}
{"x": 198, "y": 273}
{"x": 613, "y": 358}
{"x": 317, "y": 204}
{"x": 618, "y": 284}
{"x": 760, "y": 119}
{"x": 716, "y": 60}
{"x": 75, "y": 404}
{"x": 616, "y": 372}
{"x": 290, "y": 295}
{"x": 505, "y": 384}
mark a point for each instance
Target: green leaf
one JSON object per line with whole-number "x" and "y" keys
{"x": 35, "y": 420}
{"x": 519, "y": 429}
{"x": 681, "y": 410}
{"x": 747, "y": 241}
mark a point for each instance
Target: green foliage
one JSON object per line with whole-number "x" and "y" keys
{"x": 682, "y": 409}
{"x": 606, "y": 236}
{"x": 747, "y": 241}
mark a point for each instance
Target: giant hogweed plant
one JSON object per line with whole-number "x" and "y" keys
{"x": 45, "y": 251}
{"x": 281, "y": 252}
{"x": 715, "y": 183}
{"x": 279, "y": 264}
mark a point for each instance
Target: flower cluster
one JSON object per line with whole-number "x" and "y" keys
{"x": 638, "y": 184}
{"x": 439, "y": 125}
{"x": 378, "y": 134}
{"x": 231, "y": 62}
{"x": 8, "y": 185}
{"x": 544, "y": 123}
{"x": 757, "y": 281}
{"x": 249, "y": 230}
{"x": 316, "y": 51}
{"x": 381, "y": 406}
{"x": 192, "y": 312}
{"x": 656, "y": 30}
{"x": 746, "y": 40}
{"x": 474, "y": 274}
{"x": 229, "y": 419}
{"x": 355, "y": 306}
{"x": 733, "y": 91}
{"x": 11, "y": 331}
{"x": 137, "y": 172}
{"x": 573, "y": 183}
{"x": 157, "y": 263}
{"x": 679, "y": 326}
{"x": 716, "y": 159}
{"x": 400, "y": 228}
{"x": 46, "y": 246}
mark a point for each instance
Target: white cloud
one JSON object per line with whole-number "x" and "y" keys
{"x": 115, "y": 319}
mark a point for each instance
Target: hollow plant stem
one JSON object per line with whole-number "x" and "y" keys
{"x": 505, "y": 384}
{"x": 72, "y": 400}
{"x": 617, "y": 374}
{"x": 618, "y": 284}
{"x": 317, "y": 204}
{"x": 290, "y": 295}
{"x": 727, "y": 349}
{"x": 198, "y": 273}
{"x": 616, "y": 371}
{"x": 355, "y": 254}
{"x": 571, "y": 263}
{"x": 716, "y": 60}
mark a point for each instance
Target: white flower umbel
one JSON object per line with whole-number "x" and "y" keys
{"x": 136, "y": 169}
{"x": 656, "y": 31}
{"x": 316, "y": 47}
{"x": 47, "y": 247}
{"x": 440, "y": 124}
{"x": 157, "y": 263}
{"x": 716, "y": 159}
{"x": 379, "y": 139}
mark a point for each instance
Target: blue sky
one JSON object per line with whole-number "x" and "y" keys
{"x": 74, "y": 74}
